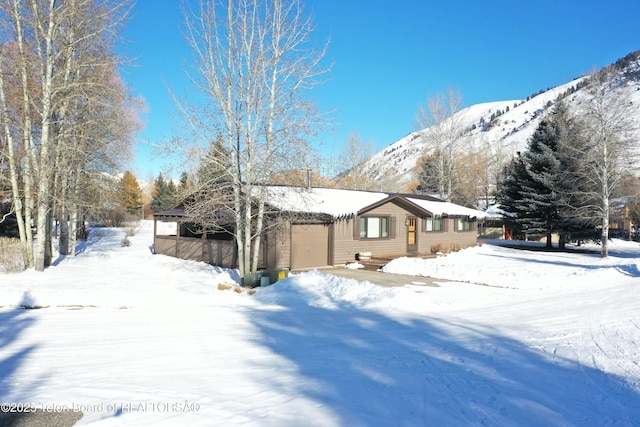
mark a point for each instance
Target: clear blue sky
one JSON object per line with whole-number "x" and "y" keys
{"x": 388, "y": 56}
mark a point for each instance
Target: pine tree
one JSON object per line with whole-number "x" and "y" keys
{"x": 164, "y": 194}
{"x": 185, "y": 184}
{"x": 130, "y": 194}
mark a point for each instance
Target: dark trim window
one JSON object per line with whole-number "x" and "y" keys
{"x": 374, "y": 227}
{"x": 464, "y": 224}
{"x": 433, "y": 224}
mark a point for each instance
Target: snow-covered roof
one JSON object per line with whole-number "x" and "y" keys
{"x": 439, "y": 208}
{"x": 335, "y": 202}
{"x": 341, "y": 203}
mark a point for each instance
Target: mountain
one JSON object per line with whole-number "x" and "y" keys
{"x": 500, "y": 127}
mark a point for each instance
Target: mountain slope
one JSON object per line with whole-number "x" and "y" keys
{"x": 502, "y": 126}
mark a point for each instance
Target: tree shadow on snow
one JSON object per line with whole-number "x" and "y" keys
{"x": 13, "y": 389}
{"x": 367, "y": 369}
{"x": 589, "y": 263}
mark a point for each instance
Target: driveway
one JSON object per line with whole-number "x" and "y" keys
{"x": 382, "y": 279}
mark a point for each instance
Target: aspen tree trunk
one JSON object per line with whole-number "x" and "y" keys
{"x": 11, "y": 158}
{"x": 46, "y": 170}
{"x": 30, "y": 165}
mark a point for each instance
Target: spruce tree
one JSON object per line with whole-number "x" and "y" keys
{"x": 164, "y": 194}
{"x": 576, "y": 222}
{"x": 541, "y": 191}
{"x": 509, "y": 194}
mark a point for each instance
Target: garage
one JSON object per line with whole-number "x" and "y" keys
{"x": 309, "y": 245}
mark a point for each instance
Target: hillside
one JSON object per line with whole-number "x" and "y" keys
{"x": 501, "y": 126}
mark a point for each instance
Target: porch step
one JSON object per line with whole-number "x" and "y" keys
{"x": 376, "y": 262}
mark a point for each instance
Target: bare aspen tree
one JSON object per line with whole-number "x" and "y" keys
{"x": 254, "y": 63}
{"x": 606, "y": 147}
{"x": 443, "y": 127}
{"x": 9, "y": 158}
{"x": 352, "y": 161}
{"x": 63, "y": 50}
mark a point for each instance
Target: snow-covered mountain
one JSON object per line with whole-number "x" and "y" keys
{"x": 503, "y": 126}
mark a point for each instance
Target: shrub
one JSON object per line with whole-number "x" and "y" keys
{"x": 439, "y": 248}
{"x": 132, "y": 227}
{"x": 11, "y": 256}
{"x": 125, "y": 242}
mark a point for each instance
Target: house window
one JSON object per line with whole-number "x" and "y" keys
{"x": 464, "y": 224}
{"x": 374, "y": 227}
{"x": 433, "y": 224}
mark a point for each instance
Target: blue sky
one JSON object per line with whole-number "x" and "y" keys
{"x": 388, "y": 56}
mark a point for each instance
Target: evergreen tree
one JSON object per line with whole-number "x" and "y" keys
{"x": 163, "y": 195}
{"x": 575, "y": 215}
{"x": 130, "y": 194}
{"x": 541, "y": 191}
{"x": 214, "y": 167}
{"x": 184, "y": 185}
{"x": 430, "y": 173}
{"x": 509, "y": 194}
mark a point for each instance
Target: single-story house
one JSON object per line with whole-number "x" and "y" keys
{"x": 330, "y": 227}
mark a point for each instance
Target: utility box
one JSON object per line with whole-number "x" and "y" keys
{"x": 251, "y": 280}
{"x": 275, "y": 275}
{"x": 264, "y": 278}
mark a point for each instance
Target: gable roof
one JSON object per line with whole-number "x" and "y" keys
{"x": 441, "y": 208}
{"x": 335, "y": 202}
{"x": 340, "y": 203}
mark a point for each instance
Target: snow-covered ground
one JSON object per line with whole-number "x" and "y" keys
{"x": 131, "y": 338}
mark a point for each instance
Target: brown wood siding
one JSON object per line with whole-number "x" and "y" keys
{"x": 190, "y": 248}
{"x": 214, "y": 252}
{"x": 346, "y": 246}
{"x": 275, "y": 253}
{"x": 309, "y": 245}
{"x": 447, "y": 240}
{"x": 165, "y": 245}
{"x": 220, "y": 252}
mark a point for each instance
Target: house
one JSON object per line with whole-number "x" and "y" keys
{"x": 330, "y": 227}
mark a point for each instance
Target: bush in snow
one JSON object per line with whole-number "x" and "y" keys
{"x": 125, "y": 242}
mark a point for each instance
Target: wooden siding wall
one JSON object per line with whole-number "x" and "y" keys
{"x": 448, "y": 240}
{"x": 345, "y": 246}
{"x": 165, "y": 245}
{"x": 215, "y": 252}
{"x": 276, "y": 249}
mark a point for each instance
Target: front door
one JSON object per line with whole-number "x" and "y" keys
{"x": 412, "y": 234}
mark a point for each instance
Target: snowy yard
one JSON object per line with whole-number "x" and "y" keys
{"x": 520, "y": 338}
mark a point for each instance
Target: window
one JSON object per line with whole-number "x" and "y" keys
{"x": 374, "y": 227}
{"x": 434, "y": 224}
{"x": 464, "y": 224}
